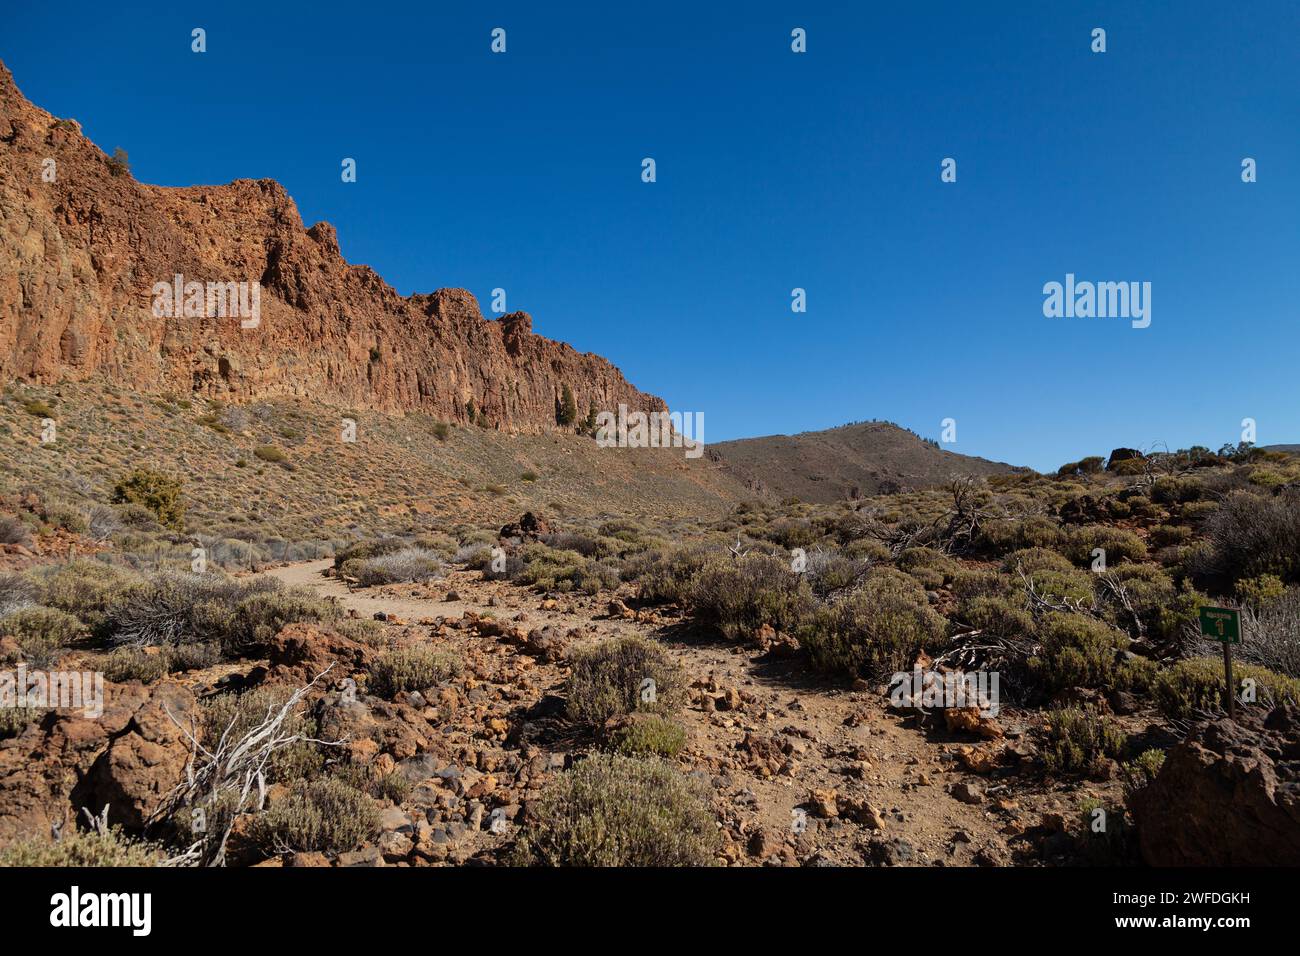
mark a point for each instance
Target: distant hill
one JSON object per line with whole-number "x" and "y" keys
{"x": 1293, "y": 449}
{"x": 851, "y": 461}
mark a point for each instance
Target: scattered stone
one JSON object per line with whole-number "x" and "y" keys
{"x": 366, "y": 856}
{"x": 967, "y": 792}
{"x": 823, "y": 803}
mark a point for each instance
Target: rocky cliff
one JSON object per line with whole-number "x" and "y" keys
{"x": 83, "y": 247}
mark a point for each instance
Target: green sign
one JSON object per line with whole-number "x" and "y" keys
{"x": 1222, "y": 624}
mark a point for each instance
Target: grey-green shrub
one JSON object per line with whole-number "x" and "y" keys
{"x": 324, "y": 815}
{"x": 1196, "y": 684}
{"x": 612, "y": 810}
{"x": 873, "y": 632}
{"x": 41, "y": 632}
{"x": 80, "y": 849}
{"x": 649, "y": 734}
{"x": 411, "y": 668}
{"x": 740, "y": 596}
{"x": 1078, "y": 739}
{"x": 606, "y": 680}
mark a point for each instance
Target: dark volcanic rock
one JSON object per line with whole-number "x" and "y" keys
{"x": 1228, "y": 795}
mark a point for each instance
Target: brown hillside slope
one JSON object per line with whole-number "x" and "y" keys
{"x": 79, "y": 258}
{"x": 851, "y": 461}
{"x": 279, "y": 468}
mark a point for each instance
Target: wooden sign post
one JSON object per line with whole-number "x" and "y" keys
{"x": 1224, "y": 625}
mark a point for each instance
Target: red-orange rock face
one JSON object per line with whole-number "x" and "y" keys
{"x": 80, "y": 256}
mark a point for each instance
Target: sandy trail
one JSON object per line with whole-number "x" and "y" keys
{"x": 311, "y": 574}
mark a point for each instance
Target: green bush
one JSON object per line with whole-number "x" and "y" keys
{"x": 13, "y": 531}
{"x": 41, "y": 632}
{"x": 874, "y": 632}
{"x": 607, "y": 680}
{"x": 14, "y": 720}
{"x": 915, "y": 559}
{"x": 792, "y": 533}
{"x": 1170, "y": 490}
{"x": 967, "y": 585}
{"x": 668, "y": 578}
{"x": 1071, "y": 587}
{"x": 1119, "y": 545}
{"x": 263, "y": 613}
{"x": 1078, "y": 739}
{"x": 412, "y": 668}
{"x": 740, "y": 596}
{"x": 1079, "y": 651}
{"x": 323, "y": 815}
{"x": 137, "y": 517}
{"x": 566, "y": 409}
{"x": 270, "y": 453}
{"x": 1179, "y": 619}
{"x": 188, "y": 657}
{"x": 1036, "y": 559}
{"x": 1170, "y": 535}
{"x": 1036, "y": 531}
{"x": 549, "y": 569}
{"x": 119, "y": 164}
{"x": 1142, "y": 770}
{"x": 1260, "y": 590}
{"x": 170, "y": 608}
{"x": 998, "y": 616}
{"x": 124, "y": 664}
{"x": 1149, "y": 593}
{"x": 1253, "y": 534}
{"x": 1196, "y": 684}
{"x": 612, "y": 810}
{"x": 158, "y": 492}
{"x": 235, "y": 716}
{"x": 830, "y": 573}
{"x": 367, "y": 548}
{"x": 80, "y": 849}
{"x": 66, "y": 518}
{"x": 88, "y": 590}
{"x": 650, "y": 734}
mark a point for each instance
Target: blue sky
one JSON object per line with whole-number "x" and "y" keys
{"x": 775, "y": 170}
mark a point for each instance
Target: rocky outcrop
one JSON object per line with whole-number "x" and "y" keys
{"x": 80, "y": 257}
{"x": 128, "y": 759}
{"x": 1228, "y": 795}
{"x": 1122, "y": 454}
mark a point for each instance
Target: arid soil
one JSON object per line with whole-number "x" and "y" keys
{"x": 873, "y": 786}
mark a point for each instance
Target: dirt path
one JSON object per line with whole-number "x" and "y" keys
{"x": 803, "y": 771}
{"x": 368, "y": 601}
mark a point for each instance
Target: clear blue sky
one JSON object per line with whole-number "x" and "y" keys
{"x": 775, "y": 170}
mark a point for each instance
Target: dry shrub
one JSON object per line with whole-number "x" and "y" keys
{"x": 411, "y": 668}
{"x": 612, "y": 810}
{"x": 407, "y": 564}
{"x": 608, "y": 680}
{"x": 739, "y": 596}
{"x": 1078, "y": 739}
{"x": 323, "y": 815}
{"x": 81, "y": 849}
{"x": 1252, "y": 534}
{"x": 873, "y": 632}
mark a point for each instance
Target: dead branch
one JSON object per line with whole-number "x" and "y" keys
{"x": 220, "y": 780}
